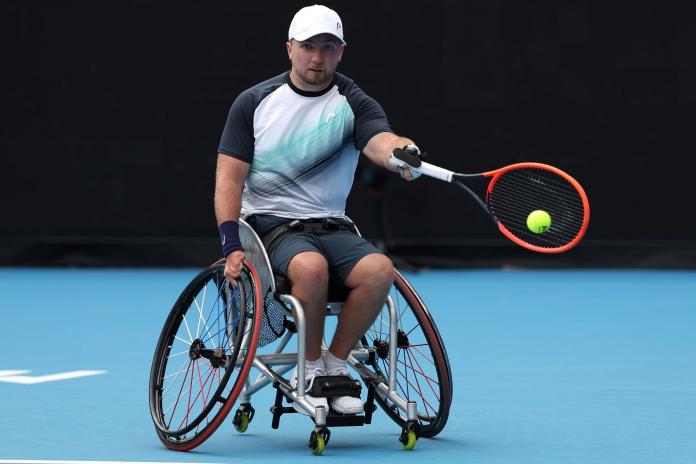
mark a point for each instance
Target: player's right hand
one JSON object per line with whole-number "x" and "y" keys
{"x": 233, "y": 265}
{"x": 407, "y": 160}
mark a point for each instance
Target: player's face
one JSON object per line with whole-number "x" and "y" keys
{"x": 314, "y": 61}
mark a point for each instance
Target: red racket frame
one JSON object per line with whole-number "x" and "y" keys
{"x": 496, "y": 174}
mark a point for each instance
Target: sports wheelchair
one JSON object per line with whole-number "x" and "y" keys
{"x": 218, "y": 330}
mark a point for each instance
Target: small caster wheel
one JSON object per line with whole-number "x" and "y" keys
{"x": 408, "y": 439}
{"x": 242, "y": 417}
{"x": 318, "y": 440}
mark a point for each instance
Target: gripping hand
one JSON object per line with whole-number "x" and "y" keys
{"x": 407, "y": 160}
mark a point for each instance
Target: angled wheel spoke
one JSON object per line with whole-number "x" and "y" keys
{"x": 200, "y": 313}
{"x": 176, "y": 375}
{"x": 182, "y": 340}
{"x": 422, "y": 370}
{"x": 177, "y": 354}
{"x": 200, "y": 394}
{"x": 420, "y": 352}
{"x": 420, "y": 389}
{"x": 200, "y": 317}
{"x": 178, "y": 397}
{"x": 408, "y": 383}
{"x": 417, "y": 371}
{"x": 188, "y": 331}
{"x": 408, "y": 393}
{"x": 193, "y": 382}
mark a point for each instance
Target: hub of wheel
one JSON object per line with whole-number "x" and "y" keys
{"x": 401, "y": 339}
{"x": 195, "y": 350}
{"x": 382, "y": 348}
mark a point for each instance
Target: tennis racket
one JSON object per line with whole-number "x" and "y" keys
{"x": 513, "y": 192}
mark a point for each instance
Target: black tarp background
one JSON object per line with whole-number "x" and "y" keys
{"x": 112, "y": 112}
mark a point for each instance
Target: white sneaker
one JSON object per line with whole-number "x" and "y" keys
{"x": 309, "y": 380}
{"x": 344, "y": 404}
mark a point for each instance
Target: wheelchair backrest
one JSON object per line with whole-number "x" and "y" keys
{"x": 256, "y": 254}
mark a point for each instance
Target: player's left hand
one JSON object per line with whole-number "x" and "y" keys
{"x": 233, "y": 265}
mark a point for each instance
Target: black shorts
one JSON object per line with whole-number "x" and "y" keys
{"x": 342, "y": 249}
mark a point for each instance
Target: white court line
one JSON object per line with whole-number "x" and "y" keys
{"x": 28, "y": 380}
{"x": 12, "y": 373}
{"x": 26, "y": 461}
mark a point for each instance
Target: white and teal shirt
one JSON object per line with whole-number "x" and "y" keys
{"x": 302, "y": 146}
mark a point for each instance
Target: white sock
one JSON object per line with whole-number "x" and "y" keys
{"x": 331, "y": 361}
{"x": 316, "y": 364}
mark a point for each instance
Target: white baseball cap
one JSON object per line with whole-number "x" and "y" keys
{"x": 314, "y": 20}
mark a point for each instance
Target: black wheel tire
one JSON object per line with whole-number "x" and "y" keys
{"x": 228, "y": 377}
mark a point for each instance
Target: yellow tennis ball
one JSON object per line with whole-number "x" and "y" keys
{"x": 538, "y": 221}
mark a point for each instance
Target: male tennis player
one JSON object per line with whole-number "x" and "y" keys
{"x": 289, "y": 152}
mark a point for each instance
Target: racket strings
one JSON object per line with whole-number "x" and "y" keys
{"x": 571, "y": 214}
{"x": 515, "y": 194}
{"x": 555, "y": 188}
{"x": 541, "y": 202}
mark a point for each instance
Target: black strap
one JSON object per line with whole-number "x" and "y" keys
{"x": 271, "y": 237}
{"x": 409, "y": 155}
{"x": 322, "y": 226}
{"x": 329, "y": 386}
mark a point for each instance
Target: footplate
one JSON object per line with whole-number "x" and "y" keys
{"x": 336, "y": 419}
{"x": 334, "y": 385}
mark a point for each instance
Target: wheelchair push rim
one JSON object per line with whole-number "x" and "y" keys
{"x": 210, "y": 326}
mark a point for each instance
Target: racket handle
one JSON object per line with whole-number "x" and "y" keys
{"x": 428, "y": 169}
{"x": 437, "y": 172}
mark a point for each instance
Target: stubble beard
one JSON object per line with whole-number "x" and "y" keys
{"x": 314, "y": 78}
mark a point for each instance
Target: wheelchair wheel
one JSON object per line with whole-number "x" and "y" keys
{"x": 203, "y": 356}
{"x": 423, "y": 373}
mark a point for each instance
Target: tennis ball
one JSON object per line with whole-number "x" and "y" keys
{"x": 538, "y": 221}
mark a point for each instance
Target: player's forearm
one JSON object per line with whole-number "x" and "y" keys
{"x": 229, "y": 182}
{"x": 381, "y": 146}
{"x": 228, "y": 201}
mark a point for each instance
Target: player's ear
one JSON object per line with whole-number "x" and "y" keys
{"x": 288, "y": 47}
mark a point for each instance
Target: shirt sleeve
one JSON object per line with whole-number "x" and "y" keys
{"x": 370, "y": 119}
{"x": 238, "y": 136}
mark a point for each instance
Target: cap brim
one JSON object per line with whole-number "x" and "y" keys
{"x": 307, "y": 35}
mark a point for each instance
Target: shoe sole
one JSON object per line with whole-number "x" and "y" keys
{"x": 299, "y": 409}
{"x": 349, "y": 411}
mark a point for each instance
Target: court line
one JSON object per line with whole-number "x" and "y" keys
{"x": 28, "y": 380}
{"x": 12, "y": 373}
{"x": 33, "y": 461}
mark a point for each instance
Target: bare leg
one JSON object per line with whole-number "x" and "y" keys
{"x": 370, "y": 281}
{"x": 309, "y": 273}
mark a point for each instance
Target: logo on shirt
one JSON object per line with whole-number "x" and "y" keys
{"x": 330, "y": 116}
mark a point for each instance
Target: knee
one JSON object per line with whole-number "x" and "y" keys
{"x": 384, "y": 271}
{"x": 375, "y": 271}
{"x": 309, "y": 270}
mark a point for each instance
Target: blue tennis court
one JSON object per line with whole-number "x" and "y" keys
{"x": 548, "y": 366}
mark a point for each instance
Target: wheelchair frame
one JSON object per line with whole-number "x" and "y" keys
{"x": 273, "y": 366}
